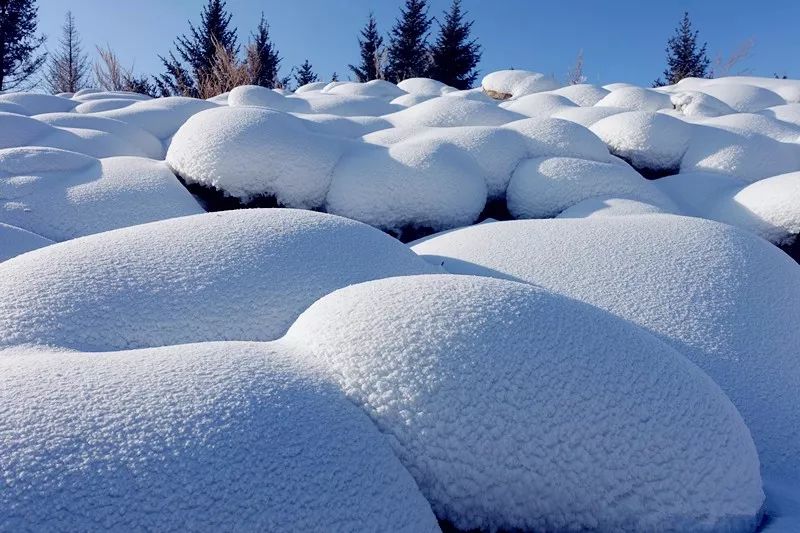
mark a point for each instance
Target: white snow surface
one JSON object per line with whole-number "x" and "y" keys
{"x": 223, "y": 436}
{"x": 608, "y": 427}
{"x": 235, "y": 275}
{"x": 721, "y": 296}
{"x": 15, "y": 241}
{"x": 517, "y": 83}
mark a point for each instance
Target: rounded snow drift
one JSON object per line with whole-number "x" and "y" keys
{"x": 250, "y": 151}
{"x": 722, "y": 296}
{"x": 15, "y": 241}
{"x": 505, "y": 84}
{"x": 226, "y": 436}
{"x": 515, "y": 408}
{"x": 234, "y": 275}
{"x": 636, "y": 99}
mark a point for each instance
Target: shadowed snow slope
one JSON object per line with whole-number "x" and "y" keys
{"x": 723, "y": 297}
{"x": 221, "y": 436}
{"x": 15, "y": 241}
{"x": 516, "y": 408}
{"x": 236, "y": 275}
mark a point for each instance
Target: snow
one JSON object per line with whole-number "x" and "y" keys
{"x": 235, "y": 275}
{"x": 538, "y": 105}
{"x": 544, "y": 187}
{"x": 721, "y": 296}
{"x": 608, "y": 206}
{"x": 696, "y": 192}
{"x": 375, "y": 88}
{"x": 636, "y": 99}
{"x": 505, "y": 84}
{"x": 425, "y": 87}
{"x": 558, "y": 137}
{"x": 586, "y": 116}
{"x": 61, "y": 195}
{"x": 769, "y": 208}
{"x": 582, "y": 94}
{"x": 744, "y": 98}
{"x": 789, "y": 113}
{"x": 35, "y": 103}
{"x": 253, "y": 95}
{"x": 15, "y": 241}
{"x": 249, "y": 151}
{"x": 694, "y": 104}
{"x": 228, "y": 436}
{"x": 447, "y": 111}
{"x": 647, "y": 140}
{"x": 161, "y": 116}
{"x": 606, "y": 426}
{"x": 419, "y": 183}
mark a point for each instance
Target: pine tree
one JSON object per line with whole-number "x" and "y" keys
{"x": 262, "y": 56}
{"x": 334, "y": 76}
{"x": 305, "y": 74}
{"x": 684, "y": 58}
{"x": 408, "y": 55}
{"x": 69, "y": 66}
{"x": 198, "y": 50}
{"x": 19, "y": 45}
{"x": 371, "y": 45}
{"x": 455, "y": 56}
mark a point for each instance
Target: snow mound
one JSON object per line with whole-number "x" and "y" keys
{"x": 789, "y": 113}
{"x": 62, "y": 195}
{"x": 749, "y": 156}
{"x": 36, "y": 104}
{"x": 723, "y": 297}
{"x": 694, "y": 104}
{"x": 769, "y": 208}
{"x": 313, "y": 86}
{"x": 419, "y": 183}
{"x": 749, "y": 123}
{"x": 10, "y": 107}
{"x": 579, "y": 408}
{"x": 425, "y": 87}
{"x": 607, "y": 206}
{"x": 374, "y": 88}
{"x": 15, "y": 241}
{"x": 254, "y": 95}
{"x": 161, "y": 116}
{"x": 556, "y": 137}
{"x": 586, "y": 116}
{"x": 636, "y": 99}
{"x": 582, "y": 94}
{"x": 538, "y": 105}
{"x": 505, "y": 84}
{"x": 250, "y": 151}
{"x": 544, "y": 187}
{"x": 647, "y": 140}
{"x": 446, "y": 111}
{"x": 744, "y": 98}
{"x": 235, "y": 275}
{"x": 343, "y": 105}
{"x": 696, "y": 192}
{"x": 228, "y": 436}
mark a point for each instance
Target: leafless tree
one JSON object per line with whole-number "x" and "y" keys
{"x": 109, "y": 74}
{"x": 726, "y": 66}
{"x": 69, "y": 67}
{"x": 228, "y": 71}
{"x": 575, "y": 75}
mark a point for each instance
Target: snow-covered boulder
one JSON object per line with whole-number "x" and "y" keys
{"x": 36, "y": 103}
{"x": 15, "y": 241}
{"x": 722, "y": 296}
{"x": 544, "y": 187}
{"x": 249, "y": 151}
{"x": 161, "y": 116}
{"x": 538, "y": 105}
{"x": 448, "y": 111}
{"x": 343, "y": 105}
{"x": 61, "y": 195}
{"x": 582, "y": 94}
{"x": 417, "y": 183}
{"x": 744, "y": 98}
{"x": 769, "y": 208}
{"x": 227, "y": 436}
{"x": 314, "y": 86}
{"x": 586, "y": 116}
{"x": 636, "y": 99}
{"x": 425, "y": 87}
{"x": 518, "y": 409}
{"x": 96, "y": 106}
{"x": 556, "y": 137}
{"x": 505, "y": 84}
{"x": 649, "y": 141}
{"x": 374, "y": 88}
{"x": 694, "y": 105}
{"x": 789, "y": 113}
{"x": 255, "y": 95}
{"x": 235, "y": 275}
{"x": 695, "y": 193}
{"x": 751, "y": 123}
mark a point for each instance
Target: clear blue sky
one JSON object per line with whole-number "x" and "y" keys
{"x": 622, "y": 40}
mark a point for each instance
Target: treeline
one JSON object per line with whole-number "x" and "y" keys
{"x": 210, "y": 59}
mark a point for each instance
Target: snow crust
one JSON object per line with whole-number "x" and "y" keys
{"x": 15, "y": 241}
{"x": 721, "y": 296}
{"x": 452, "y": 366}
{"x": 235, "y": 275}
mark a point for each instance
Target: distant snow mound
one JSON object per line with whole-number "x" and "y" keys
{"x": 505, "y": 84}
{"x": 582, "y": 94}
{"x": 231, "y": 436}
{"x": 235, "y": 275}
{"x": 447, "y": 111}
{"x": 607, "y": 206}
{"x": 721, "y": 296}
{"x": 579, "y": 408}
{"x": 636, "y": 99}
{"x": 61, "y": 195}
{"x": 35, "y": 103}
{"x": 249, "y": 151}
{"x": 161, "y": 116}
{"x": 544, "y": 187}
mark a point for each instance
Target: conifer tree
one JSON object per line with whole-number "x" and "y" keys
{"x": 198, "y": 50}
{"x": 684, "y": 57}
{"x": 305, "y": 74}
{"x": 19, "y": 45}
{"x": 408, "y": 54}
{"x": 371, "y": 46}
{"x": 334, "y": 76}
{"x": 262, "y": 56}
{"x": 69, "y": 66}
{"x": 454, "y": 56}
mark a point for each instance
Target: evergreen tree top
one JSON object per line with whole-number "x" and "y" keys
{"x": 684, "y": 57}
{"x": 370, "y": 44}
{"x": 454, "y": 55}
{"x": 408, "y": 51}
{"x": 19, "y": 44}
{"x": 198, "y": 48}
